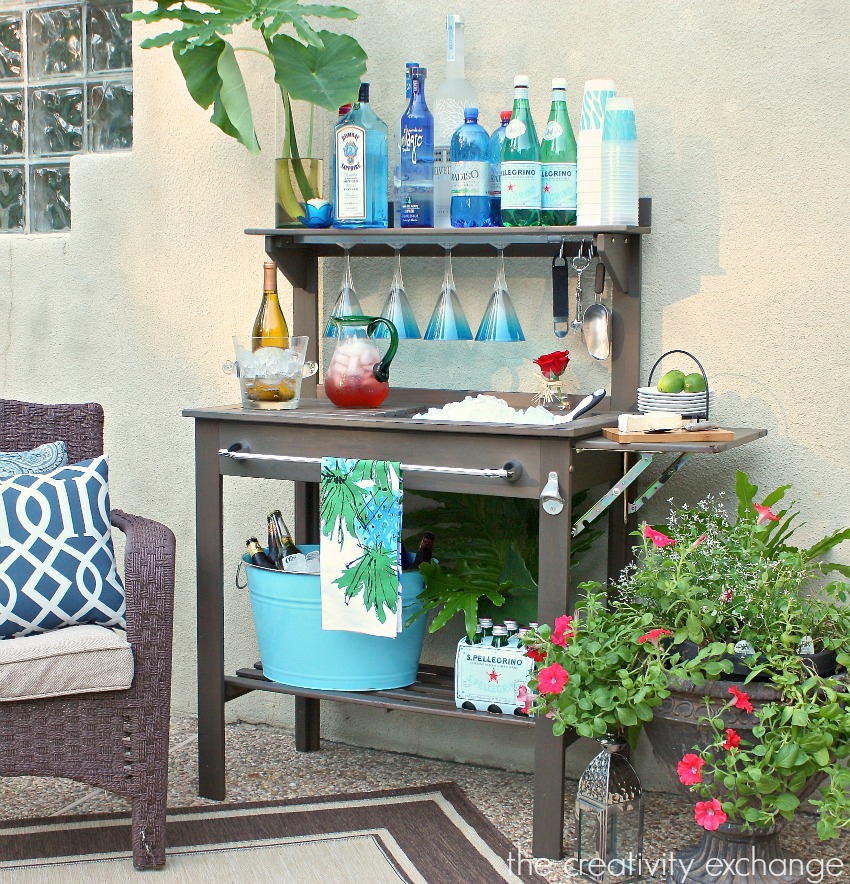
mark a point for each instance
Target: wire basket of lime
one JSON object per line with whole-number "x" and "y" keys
{"x": 676, "y": 391}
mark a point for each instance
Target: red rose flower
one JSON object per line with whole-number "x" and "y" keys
{"x": 551, "y": 679}
{"x": 654, "y": 636}
{"x": 709, "y": 814}
{"x": 690, "y": 769}
{"x": 537, "y": 655}
{"x": 733, "y": 739}
{"x": 552, "y": 365}
{"x": 742, "y": 699}
{"x": 660, "y": 540}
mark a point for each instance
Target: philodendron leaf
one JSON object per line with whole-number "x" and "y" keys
{"x": 234, "y": 99}
{"x": 199, "y": 65}
{"x": 327, "y": 77}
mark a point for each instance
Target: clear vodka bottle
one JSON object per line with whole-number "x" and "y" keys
{"x": 450, "y": 99}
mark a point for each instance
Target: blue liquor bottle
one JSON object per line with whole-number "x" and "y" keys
{"x": 417, "y": 157}
{"x": 470, "y": 173}
{"x": 360, "y": 167}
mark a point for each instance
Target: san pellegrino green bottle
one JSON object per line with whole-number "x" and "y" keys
{"x": 521, "y": 188}
{"x": 558, "y": 162}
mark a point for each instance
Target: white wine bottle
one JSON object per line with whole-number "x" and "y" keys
{"x": 270, "y": 328}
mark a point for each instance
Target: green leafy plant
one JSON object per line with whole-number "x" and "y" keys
{"x": 741, "y": 593}
{"x": 316, "y": 66}
{"x": 488, "y": 552}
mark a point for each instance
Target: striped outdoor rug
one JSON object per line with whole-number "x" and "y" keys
{"x": 428, "y": 835}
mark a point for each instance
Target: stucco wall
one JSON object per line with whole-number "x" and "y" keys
{"x": 745, "y": 150}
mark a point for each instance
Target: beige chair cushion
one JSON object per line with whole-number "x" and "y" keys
{"x": 75, "y": 660}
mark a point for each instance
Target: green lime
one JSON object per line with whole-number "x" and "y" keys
{"x": 695, "y": 383}
{"x": 672, "y": 382}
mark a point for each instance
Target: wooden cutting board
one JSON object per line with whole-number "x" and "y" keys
{"x": 671, "y": 436}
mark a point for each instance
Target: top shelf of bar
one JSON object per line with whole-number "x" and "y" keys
{"x": 524, "y": 241}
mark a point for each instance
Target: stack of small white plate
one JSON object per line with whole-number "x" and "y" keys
{"x": 686, "y": 404}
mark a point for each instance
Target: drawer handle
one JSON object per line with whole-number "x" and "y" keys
{"x": 510, "y": 472}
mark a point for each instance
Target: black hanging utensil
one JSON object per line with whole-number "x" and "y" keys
{"x": 560, "y": 295}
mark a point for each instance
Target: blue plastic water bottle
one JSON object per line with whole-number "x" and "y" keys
{"x": 470, "y": 173}
{"x": 497, "y": 139}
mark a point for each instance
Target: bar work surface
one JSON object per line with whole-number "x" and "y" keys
{"x": 447, "y": 456}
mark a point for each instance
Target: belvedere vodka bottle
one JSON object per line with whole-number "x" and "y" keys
{"x": 521, "y": 189}
{"x": 450, "y": 99}
{"x": 360, "y": 167}
{"x": 558, "y": 162}
{"x": 497, "y": 139}
{"x": 470, "y": 173}
{"x": 417, "y": 158}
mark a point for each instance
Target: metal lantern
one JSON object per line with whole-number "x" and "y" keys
{"x": 609, "y": 818}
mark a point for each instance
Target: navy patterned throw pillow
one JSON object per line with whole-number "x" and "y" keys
{"x": 41, "y": 460}
{"x": 57, "y": 564}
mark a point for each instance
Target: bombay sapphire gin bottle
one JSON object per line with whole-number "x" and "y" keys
{"x": 470, "y": 173}
{"x": 417, "y": 157}
{"x": 494, "y": 190}
{"x": 360, "y": 167}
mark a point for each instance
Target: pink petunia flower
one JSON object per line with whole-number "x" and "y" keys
{"x": 551, "y": 679}
{"x": 654, "y": 636}
{"x": 742, "y": 699}
{"x": 660, "y": 540}
{"x": 733, "y": 739}
{"x": 690, "y": 769}
{"x": 765, "y": 514}
{"x": 709, "y": 814}
{"x": 563, "y": 631}
{"x": 525, "y": 697}
{"x": 536, "y": 655}
{"x": 701, "y": 539}
{"x": 727, "y": 594}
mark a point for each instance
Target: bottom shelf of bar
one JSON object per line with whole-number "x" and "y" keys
{"x": 432, "y": 693}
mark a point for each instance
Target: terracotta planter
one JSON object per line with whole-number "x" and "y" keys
{"x": 674, "y": 731}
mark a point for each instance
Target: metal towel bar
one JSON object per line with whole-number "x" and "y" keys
{"x": 510, "y": 472}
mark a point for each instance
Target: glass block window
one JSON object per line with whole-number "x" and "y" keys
{"x": 66, "y": 87}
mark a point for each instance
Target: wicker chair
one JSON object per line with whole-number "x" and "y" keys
{"x": 116, "y": 740}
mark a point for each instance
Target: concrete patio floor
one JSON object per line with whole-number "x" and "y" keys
{"x": 262, "y": 764}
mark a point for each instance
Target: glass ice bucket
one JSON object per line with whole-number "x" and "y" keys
{"x": 270, "y": 377}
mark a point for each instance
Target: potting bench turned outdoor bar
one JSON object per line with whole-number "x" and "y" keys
{"x": 489, "y": 459}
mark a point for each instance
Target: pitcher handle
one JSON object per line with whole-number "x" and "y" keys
{"x": 381, "y": 370}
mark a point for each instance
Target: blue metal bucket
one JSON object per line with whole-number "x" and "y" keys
{"x": 295, "y": 650}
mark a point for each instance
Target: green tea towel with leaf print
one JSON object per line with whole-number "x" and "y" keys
{"x": 361, "y": 531}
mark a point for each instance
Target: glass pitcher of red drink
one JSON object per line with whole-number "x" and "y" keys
{"x": 358, "y": 376}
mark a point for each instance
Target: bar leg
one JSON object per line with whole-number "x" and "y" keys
{"x": 210, "y": 613}
{"x": 553, "y": 601}
{"x": 307, "y": 724}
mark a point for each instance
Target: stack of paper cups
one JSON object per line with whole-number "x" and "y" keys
{"x": 619, "y": 163}
{"x": 589, "y": 150}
